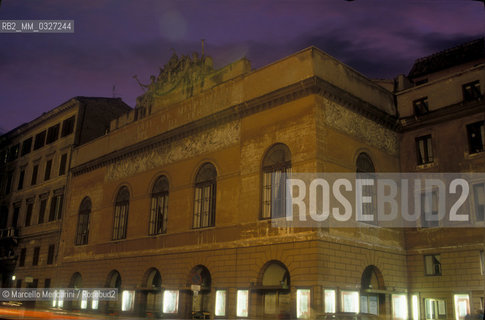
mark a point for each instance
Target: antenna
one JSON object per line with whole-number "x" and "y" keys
{"x": 202, "y": 46}
{"x": 114, "y": 91}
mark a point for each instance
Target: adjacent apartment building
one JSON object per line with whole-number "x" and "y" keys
{"x": 175, "y": 206}
{"x": 34, "y": 163}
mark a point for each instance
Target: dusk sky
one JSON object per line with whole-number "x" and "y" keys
{"x": 116, "y": 39}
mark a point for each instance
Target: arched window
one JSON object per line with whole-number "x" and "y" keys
{"x": 82, "y": 233}
{"x": 276, "y": 164}
{"x": 365, "y": 170}
{"x": 158, "y": 212}
{"x": 205, "y": 196}
{"x": 122, "y": 205}
{"x": 364, "y": 164}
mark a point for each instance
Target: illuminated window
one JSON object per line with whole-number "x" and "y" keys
{"x": 369, "y": 303}
{"x": 127, "y": 300}
{"x": 95, "y": 301}
{"x": 415, "y": 305}
{"x": 434, "y": 308}
{"x": 121, "y": 214}
{"x": 60, "y": 298}
{"x": 242, "y": 303}
{"x": 350, "y": 301}
{"x": 220, "y": 309}
{"x": 476, "y": 136}
{"x": 84, "y": 299}
{"x": 276, "y": 164}
{"x": 330, "y": 301}
{"x": 303, "y": 300}
{"x": 170, "y": 301}
{"x": 432, "y": 265}
{"x": 462, "y": 306}
{"x": 399, "y": 306}
{"x": 205, "y": 197}
{"x": 479, "y": 198}
{"x": 158, "y": 213}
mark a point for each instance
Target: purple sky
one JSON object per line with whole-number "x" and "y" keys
{"x": 116, "y": 39}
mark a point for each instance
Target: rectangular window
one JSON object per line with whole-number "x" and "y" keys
{"x": 21, "y": 180}
{"x": 170, "y": 301}
{"x": 242, "y": 303}
{"x": 432, "y": 265}
{"x": 68, "y": 126}
{"x": 13, "y": 152}
{"x": 23, "y": 252}
{"x": 8, "y": 186}
{"x": 479, "y": 198}
{"x": 120, "y": 221}
{"x": 127, "y": 300}
{"x": 462, "y": 306}
{"x": 158, "y": 214}
{"x": 84, "y": 299}
{"x": 28, "y": 214}
{"x": 43, "y": 205}
{"x": 53, "y": 133}
{"x": 35, "y": 259}
{"x": 482, "y": 262}
{"x": 47, "y": 283}
{"x": 303, "y": 301}
{"x": 429, "y": 210}
{"x": 95, "y": 302}
{"x": 50, "y": 254}
{"x": 400, "y": 306}
{"x": 415, "y": 307}
{"x": 350, "y": 301}
{"x": 330, "y": 301}
{"x": 19, "y": 283}
{"x": 39, "y": 140}
{"x": 204, "y": 206}
{"x": 471, "y": 91}
{"x": 35, "y": 171}
{"x": 26, "y": 146}
{"x": 62, "y": 165}
{"x": 476, "y": 136}
{"x": 424, "y": 149}
{"x": 435, "y": 309}
{"x": 220, "y": 309}
{"x": 421, "y": 106}
{"x": 56, "y": 207}
{"x": 16, "y": 213}
{"x": 48, "y": 167}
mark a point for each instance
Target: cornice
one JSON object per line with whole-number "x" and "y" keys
{"x": 309, "y": 86}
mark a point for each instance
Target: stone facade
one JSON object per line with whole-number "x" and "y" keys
{"x": 202, "y": 241}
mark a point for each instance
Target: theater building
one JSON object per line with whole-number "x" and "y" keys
{"x": 175, "y": 206}
{"x": 34, "y": 164}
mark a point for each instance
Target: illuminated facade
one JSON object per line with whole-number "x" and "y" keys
{"x": 173, "y": 206}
